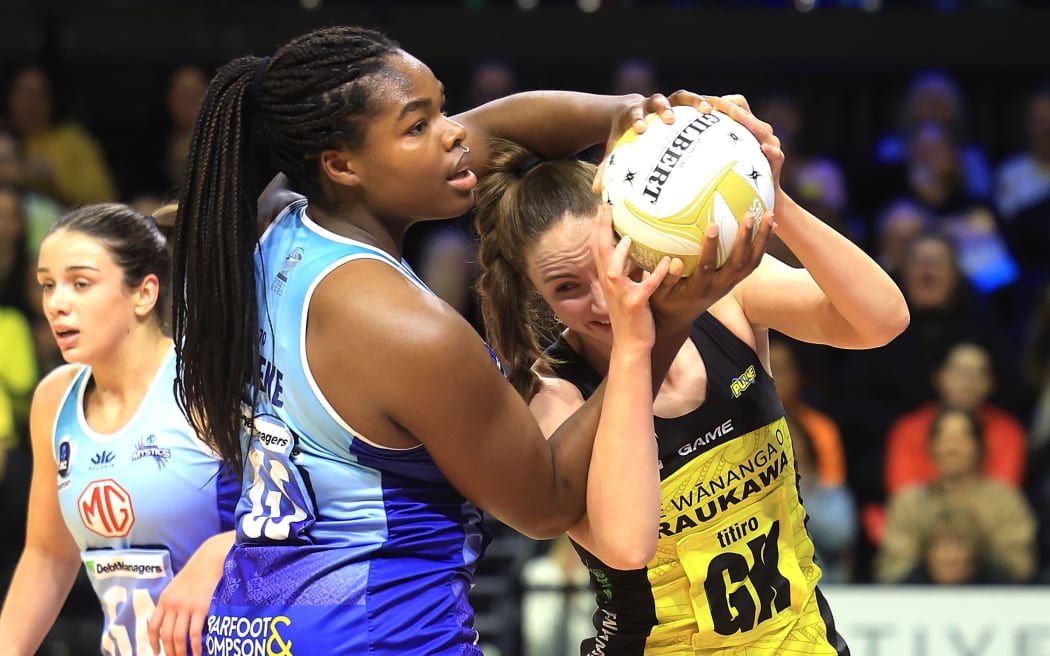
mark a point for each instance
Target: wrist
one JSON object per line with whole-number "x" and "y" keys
{"x": 633, "y": 353}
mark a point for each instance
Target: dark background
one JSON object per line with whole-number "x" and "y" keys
{"x": 111, "y": 58}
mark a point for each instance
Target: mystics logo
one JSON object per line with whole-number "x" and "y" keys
{"x": 105, "y": 508}
{"x": 147, "y": 447}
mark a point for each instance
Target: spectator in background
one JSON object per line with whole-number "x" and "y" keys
{"x": 18, "y": 372}
{"x": 448, "y": 265}
{"x": 163, "y": 159}
{"x": 896, "y": 227}
{"x": 14, "y": 249}
{"x": 40, "y": 211}
{"x": 635, "y": 75}
{"x": 185, "y": 92}
{"x": 871, "y": 389}
{"x": 1034, "y": 365}
{"x": 1023, "y": 198}
{"x": 1001, "y": 513}
{"x": 1023, "y": 179}
{"x": 829, "y": 504}
{"x": 18, "y": 287}
{"x": 933, "y": 96}
{"x": 491, "y": 79}
{"x": 953, "y": 553}
{"x": 629, "y": 75}
{"x": 964, "y": 380}
{"x": 817, "y": 181}
{"x": 557, "y": 602}
{"x": 935, "y": 182}
{"x": 63, "y": 159}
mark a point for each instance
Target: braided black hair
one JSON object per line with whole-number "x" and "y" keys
{"x": 310, "y": 96}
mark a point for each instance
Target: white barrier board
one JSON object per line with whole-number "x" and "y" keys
{"x": 942, "y": 620}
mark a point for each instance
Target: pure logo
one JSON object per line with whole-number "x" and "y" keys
{"x": 743, "y": 381}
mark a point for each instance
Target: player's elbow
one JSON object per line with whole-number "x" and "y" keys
{"x": 627, "y": 555}
{"x": 893, "y": 323}
{"x": 546, "y": 526}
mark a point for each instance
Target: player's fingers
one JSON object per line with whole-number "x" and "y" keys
{"x": 776, "y": 159}
{"x": 197, "y": 632}
{"x": 737, "y": 99}
{"x": 596, "y": 184}
{"x": 674, "y": 274}
{"x": 765, "y": 232}
{"x": 602, "y": 237}
{"x": 741, "y": 256}
{"x": 618, "y": 263}
{"x": 153, "y": 626}
{"x": 684, "y": 97}
{"x": 762, "y": 130}
{"x": 634, "y": 119}
{"x": 178, "y": 635}
{"x": 708, "y": 261}
{"x": 659, "y": 104}
{"x": 653, "y": 279}
{"x": 167, "y": 629}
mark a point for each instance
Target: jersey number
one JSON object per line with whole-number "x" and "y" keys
{"x": 737, "y": 606}
{"x": 266, "y": 494}
{"x": 116, "y": 641}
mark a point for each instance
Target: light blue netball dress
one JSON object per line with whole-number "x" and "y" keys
{"x": 138, "y": 502}
{"x": 343, "y": 546}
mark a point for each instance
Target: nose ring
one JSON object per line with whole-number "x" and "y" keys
{"x": 466, "y": 149}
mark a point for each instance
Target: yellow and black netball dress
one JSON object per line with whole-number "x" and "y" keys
{"x": 734, "y": 571}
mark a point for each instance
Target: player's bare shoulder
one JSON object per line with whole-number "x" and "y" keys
{"x": 53, "y": 386}
{"x": 47, "y": 398}
{"x": 555, "y": 400}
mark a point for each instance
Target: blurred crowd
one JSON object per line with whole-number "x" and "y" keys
{"x": 926, "y": 461}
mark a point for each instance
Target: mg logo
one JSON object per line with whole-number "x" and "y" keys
{"x": 105, "y": 508}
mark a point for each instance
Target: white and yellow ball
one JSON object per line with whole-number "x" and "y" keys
{"x": 669, "y": 183}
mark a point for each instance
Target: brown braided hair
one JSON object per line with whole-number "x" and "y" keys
{"x": 517, "y": 202}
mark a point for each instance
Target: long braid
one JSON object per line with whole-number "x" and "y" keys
{"x": 253, "y": 123}
{"x": 520, "y": 199}
{"x": 308, "y": 99}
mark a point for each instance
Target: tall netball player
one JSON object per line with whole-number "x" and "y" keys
{"x": 380, "y": 421}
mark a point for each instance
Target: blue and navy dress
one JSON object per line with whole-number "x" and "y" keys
{"x": 343, "y": 546}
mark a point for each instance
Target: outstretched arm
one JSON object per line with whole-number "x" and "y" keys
{"x": 560, "y": 123}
